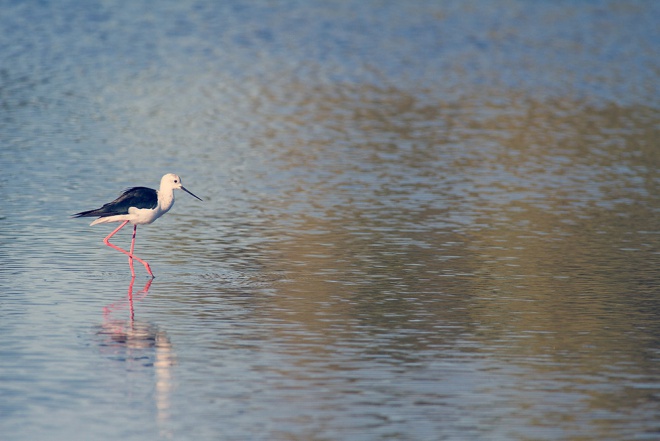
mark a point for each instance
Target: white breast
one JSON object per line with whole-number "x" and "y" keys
{"x": 141, "y": 216}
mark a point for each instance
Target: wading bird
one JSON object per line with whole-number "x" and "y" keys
{"x": 139, "y": 206}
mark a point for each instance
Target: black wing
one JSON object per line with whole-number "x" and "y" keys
{"x": 138, "y": 197}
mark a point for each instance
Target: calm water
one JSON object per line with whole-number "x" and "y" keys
{"x": 422, "y": 220}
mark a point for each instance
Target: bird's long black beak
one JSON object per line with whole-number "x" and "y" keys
{"x": 190, "y": 193}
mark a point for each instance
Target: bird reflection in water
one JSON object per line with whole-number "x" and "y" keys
{"x": 142, "y": 346}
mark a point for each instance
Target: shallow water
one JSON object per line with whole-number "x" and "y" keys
{"x": 426, "y": 220}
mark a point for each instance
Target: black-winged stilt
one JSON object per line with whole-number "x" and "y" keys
{"x": 139, "y": 206}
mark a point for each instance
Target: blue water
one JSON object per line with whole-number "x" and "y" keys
{"x": 421, "y": 220}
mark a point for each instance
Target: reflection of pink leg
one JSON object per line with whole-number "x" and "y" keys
{"x": 139, "y": 296}
{"x": 129, "y": 254}
{"x": 114, "y": 307}
{"x": 130, "y": 291}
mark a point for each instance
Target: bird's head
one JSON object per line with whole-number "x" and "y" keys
{"x": 173, "y": 181}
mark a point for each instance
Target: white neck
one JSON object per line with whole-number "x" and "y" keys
{"x": 165, "y": 199}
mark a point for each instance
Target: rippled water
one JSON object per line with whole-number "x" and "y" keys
{"x": 421, "y": 221}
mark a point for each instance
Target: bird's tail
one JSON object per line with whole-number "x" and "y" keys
{"x": 89, "y": 213}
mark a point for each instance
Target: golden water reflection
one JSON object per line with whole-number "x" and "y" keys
{"x": 532, "y": 235}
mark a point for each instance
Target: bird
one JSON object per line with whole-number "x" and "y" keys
{"x": 139, "y": 206}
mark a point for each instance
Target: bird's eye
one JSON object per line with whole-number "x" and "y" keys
{"x": 175, "y": 181}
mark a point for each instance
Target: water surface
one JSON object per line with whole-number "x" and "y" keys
{"x": 421, "y": 221}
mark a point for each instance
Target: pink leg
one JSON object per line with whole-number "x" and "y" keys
{"x": 129, "y": 254}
